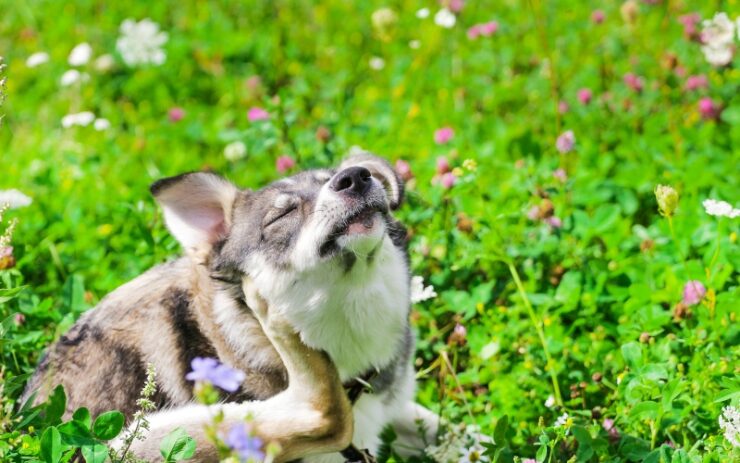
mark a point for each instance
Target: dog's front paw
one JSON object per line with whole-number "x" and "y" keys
{"x": 272, "y": 322}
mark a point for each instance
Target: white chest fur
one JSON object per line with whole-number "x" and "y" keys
{"x": 358, "y": 317}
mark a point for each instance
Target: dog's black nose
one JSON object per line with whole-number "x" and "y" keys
{"x": 352, "y": 180}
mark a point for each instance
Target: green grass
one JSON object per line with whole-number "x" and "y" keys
{"x": 586, "y": 313}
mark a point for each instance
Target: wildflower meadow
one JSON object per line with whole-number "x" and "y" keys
{"x": 572, "y": 201}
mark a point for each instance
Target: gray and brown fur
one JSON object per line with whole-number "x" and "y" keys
{"x": 165, "y": 317}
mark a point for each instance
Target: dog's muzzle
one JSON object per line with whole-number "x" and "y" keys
{"x": 364, "y": 204}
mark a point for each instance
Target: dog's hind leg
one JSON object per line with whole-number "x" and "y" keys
{"x": 312, "y": 416}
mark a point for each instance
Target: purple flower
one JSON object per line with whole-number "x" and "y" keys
{"x": 482, "y": 30}
{"x": 585, "y": 95}
{"x": 246, "y": 446}
{"x": 598, "y": 16}
{"x": 529, "y": 460}
{"x": 560, "y": 174}
{"x": 474, "y": 32}
{"x": 257, "y": 114}
{"x": 443, "y": 135}
{"x": 448, "y": 180}
{"x": 689, "y": 22}
{"x": 634, "y": 82}
{"x": 565, "y": 142}
{"x": 211, "y": 371}
{"x": 443, "y": 166}
{"x": 489, "y": 28}
{"x": 610, "y": 428}
{"x": 176, "y": 114}
{"x": 454, "y": 5}
{"x": 708, "y": 108}
{"x": 284, "y": 164}
{"x": 693, "y": 292}
{"x": 553, "y": 221}
{"x": 404, "y": 170}
{"x": 563, "y": 107}
{"x": 696, "y": 82}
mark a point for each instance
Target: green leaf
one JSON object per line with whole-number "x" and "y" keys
{"x": 77, "y": 434}
{"x": 56, "y": 405}
{"x": 82, "y": 415}
{"x": 108, "y": 425}
{"x": 671, "y": 391}
{"x": 177, "y": 446}
{"x": 499, "y": 432}
{"x": 645, "y": 410}
{"x": 541, "y": 454}
{"x": 51, "y": 445}
{"x": 632, "y": 354}
{"x": 569, "y": 291}
{"x": 96, "y": 453}
{"x": 633, "y": 449}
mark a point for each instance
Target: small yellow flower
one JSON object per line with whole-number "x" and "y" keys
{"x": 479, "y": 307}
{"x": 413, "y": 111}
{"x": 105, "y": 229}
{"x": 457, "y": 172}
{"x": 470, "y": 164}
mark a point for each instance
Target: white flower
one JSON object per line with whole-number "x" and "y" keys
{"x": 562, "y": 419}
{"x": 422, "y": 13}
{"x": 719, "y": 30}
{"x": 419, "y": 292}
{"x": 383, "y": 18}
{"x": 80, "y": 55}
{"x": 72, "y": 77}
{"x": 377, "y": 63}
{"x": 717, "y": 36}
{"x": 141, "y": 42}
{"x": 14, "y": 199}
{"x": 82, "y": 119}
{"x": 104, "y": 63}
{"x": 101, "y": 124}
{"x": 37, "y": 59}
{"x": 460, "y": 444}
{"x": 550, "y": 401}
{"x": 717, "y": 56}
{"x": 414, "y": 44}
{"x": 445, "y": 18}
{"x": 720, "y": 208}
{"x": 729, "y": 421}
{"x": 235, "y": 150}
{"x": 474, "y": 454}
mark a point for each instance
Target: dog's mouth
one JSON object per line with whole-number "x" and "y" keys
{"x": 362, "y": 222}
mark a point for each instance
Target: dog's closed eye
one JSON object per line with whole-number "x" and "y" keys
{"x": 282, "y": 207}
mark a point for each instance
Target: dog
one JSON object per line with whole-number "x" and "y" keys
{"x": 303, "y": 285}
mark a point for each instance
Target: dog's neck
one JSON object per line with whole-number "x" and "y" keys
{"x": 357, "y": 313}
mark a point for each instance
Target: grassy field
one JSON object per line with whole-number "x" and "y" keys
{"x": 571, "y": 317}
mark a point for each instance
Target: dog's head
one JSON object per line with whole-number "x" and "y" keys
{"x": 314, "y": 220}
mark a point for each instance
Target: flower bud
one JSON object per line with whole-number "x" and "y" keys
{"x": 667, "y": 199}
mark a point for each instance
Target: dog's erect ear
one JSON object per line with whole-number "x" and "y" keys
{"x": 380, "y": 169}
{"x": 197, "y": 207}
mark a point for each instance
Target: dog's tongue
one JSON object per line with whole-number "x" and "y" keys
{"x": 362, "y": 224}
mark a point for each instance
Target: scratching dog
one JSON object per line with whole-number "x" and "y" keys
{"x": 303, "y": 285}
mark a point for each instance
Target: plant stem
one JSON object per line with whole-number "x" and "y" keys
{"x": 540, "y": 332}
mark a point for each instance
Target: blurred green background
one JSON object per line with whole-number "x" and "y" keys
{"x": 602, "y": 274}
